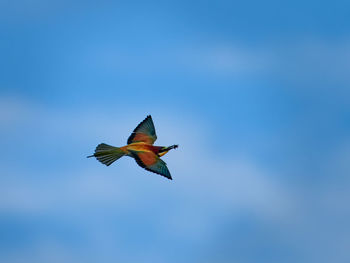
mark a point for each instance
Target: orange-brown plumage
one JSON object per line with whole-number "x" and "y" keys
{"x": 140, "y": 147}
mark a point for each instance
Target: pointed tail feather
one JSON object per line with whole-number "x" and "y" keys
{"x": 107, "y": 154}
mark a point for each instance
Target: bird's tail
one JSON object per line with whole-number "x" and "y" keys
{"x": 107, "y": 154}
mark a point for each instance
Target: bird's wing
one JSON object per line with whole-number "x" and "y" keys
{"x": 151, "y": 162}
{"x": 144, "y": 132}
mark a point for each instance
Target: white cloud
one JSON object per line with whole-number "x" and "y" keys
{"x": 199, "y": 172}
{"x": 216, "y": 59}
{"x": 14, "y": 111}
{"x": 309, "y": 64}
{"x": 207, "y": 187}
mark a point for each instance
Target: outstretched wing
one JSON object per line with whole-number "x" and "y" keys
{"x": 144, "y": 132}
{"x": 151, "y": 162}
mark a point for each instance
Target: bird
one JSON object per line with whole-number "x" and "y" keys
{"x": 140, "y": 147}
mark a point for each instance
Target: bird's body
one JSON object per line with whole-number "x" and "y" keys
{"x": 140, "y": 147}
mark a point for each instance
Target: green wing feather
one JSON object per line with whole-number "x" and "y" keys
{"x": 144, "y": 132}
{"x": 151, "y": 162}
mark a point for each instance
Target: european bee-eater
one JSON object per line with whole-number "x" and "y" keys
{"x": 140, "y": 147}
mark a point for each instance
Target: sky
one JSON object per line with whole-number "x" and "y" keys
{"x": 256, "y": 94}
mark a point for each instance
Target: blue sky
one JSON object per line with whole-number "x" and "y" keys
{"x": 255, "y": 93}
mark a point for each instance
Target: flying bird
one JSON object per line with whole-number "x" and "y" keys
{"x": 140, "y": 147}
